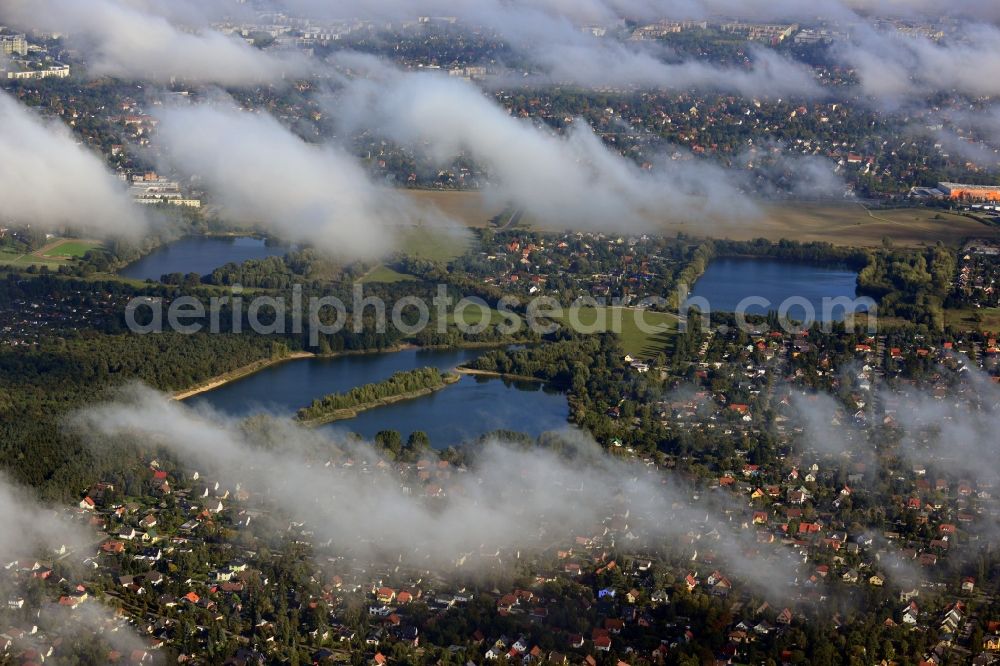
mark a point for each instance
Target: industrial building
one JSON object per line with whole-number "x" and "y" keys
{"x": 960, "y": 192}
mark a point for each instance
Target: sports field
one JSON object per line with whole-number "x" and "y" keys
{"x": 65, "y": 249}
{"x": 53, "y": 254}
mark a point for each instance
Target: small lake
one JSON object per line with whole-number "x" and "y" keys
{"x": 201, "y": 255}
{"x": 463, "y": 411}
{"x": 727, "y": 282}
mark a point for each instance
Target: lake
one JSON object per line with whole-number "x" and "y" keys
{"x": 726, "y": 282}
{"x": 201, "y": 255}
{"x": 463, "y": 411}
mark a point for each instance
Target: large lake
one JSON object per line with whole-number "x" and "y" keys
{"x": 727, "y": 282}
{"x": 201, "y": 255}
{"x": 461, "y": 412}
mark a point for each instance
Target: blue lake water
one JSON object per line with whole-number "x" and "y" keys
{"x": 463, "y": 411}
{"x": 201, "y": 255}
{"x": 727, "y": 282}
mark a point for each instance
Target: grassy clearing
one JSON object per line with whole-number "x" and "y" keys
{"x": 383, "y": 273}
{"x": 624, "y": 321}
{"x": 53, "y": 254}
{"x": 16, "y": 260}
{"x": 434, "y": 244}
{"x": 983, "y": 319}
{"x": 69, "y": 249}
{"x": 660, "y": 326}
{"x": 468, "y": 208}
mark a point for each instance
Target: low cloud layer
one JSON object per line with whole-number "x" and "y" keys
{"x": 595, "y": 11}
{"x": 262, "y": 174}
{"x": 121, "y": 39}
{"x": 894, "y": 67}
{"x": 510, "y": 498}
{"x": 952, "y": 434}
{"x": 611, "y": 64}
{"x": 49, "y": 180}
{"x": 28, "y": 528}
{"x": 569, "y": 180}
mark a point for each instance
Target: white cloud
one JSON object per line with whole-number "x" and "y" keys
{"x": 123, "y": 40}
{"x": 48, "y": 180}
{"x": 265, "y": 175}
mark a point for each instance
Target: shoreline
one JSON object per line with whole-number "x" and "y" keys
{"x": 351, "y": 412}
{"x": 219, "y": 381}
{"x": 245, "y": 371}
{"x": 239, "y": 373}
{"x": 462, "y": 370}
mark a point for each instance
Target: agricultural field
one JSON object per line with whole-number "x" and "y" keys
{"x": 845, "y": 224}
{"x": 468, "y": 208}
{"x": 839, "y": 223}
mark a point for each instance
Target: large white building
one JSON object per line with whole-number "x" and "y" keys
{"x": 160, "y": 191}
{"x": 56, "y": 71}
{"x": 14, "y": 45}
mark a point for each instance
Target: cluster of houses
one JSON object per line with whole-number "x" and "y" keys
{"x": 603, "y": 266}
{"x": 24, "y": 322}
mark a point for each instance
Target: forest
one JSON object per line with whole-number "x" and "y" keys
{"x": 399, "y": 384}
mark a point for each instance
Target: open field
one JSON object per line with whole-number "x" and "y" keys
{"x": 24, "y": 260}
{"x": 983, "y": 319}
{"x": 469, "y": 208}
{"x": 383, "y": 273}
{"x": 838, "y": 223}
{"x": 844, "y": 224}
{"x": 68, "y": 248}
{"x": 626, "y": 322}
{"x": 53, "y": 254}
{"x": 427, "y": 243}
{"x": 434, "y": 244}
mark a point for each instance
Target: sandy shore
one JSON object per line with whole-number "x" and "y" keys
{"x": 238, "y": 373}
{"x": 487, "y": 373}
{"x": 257, "y": 366}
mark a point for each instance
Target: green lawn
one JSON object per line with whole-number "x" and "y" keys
{"x": 422, "y": 243}
{"x": 626, "y": 323}
{"x": 383, "y": 273}
{"x": 72, "y": 248}
{"x": 8, "y": 258}
{"x": 53, "y": 255}
{"x": 434, "y": 244}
